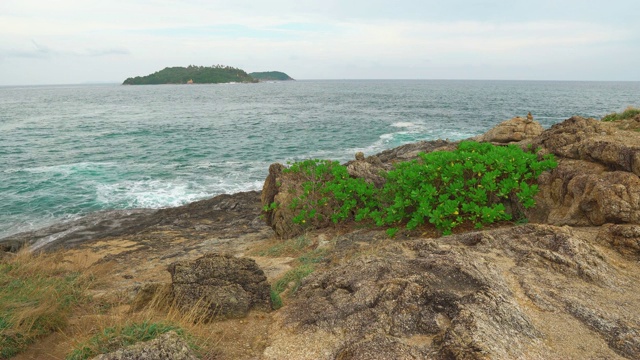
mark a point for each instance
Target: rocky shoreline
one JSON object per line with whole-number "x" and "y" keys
{"x": 564, "y": 285}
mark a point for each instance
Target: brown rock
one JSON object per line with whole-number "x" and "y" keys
{"x": 584, "y": 193}
{"x": 533, "y": 291}
{"x": 220, "y": 286}
{"x": 410, "y": 151}
{"x": 624, "y": 238}
{"x": 593, "y": 141}
{"x": 513, "y": 130}
{"x": 369, "y": 169}
{"x": 281, "y": 188}
{"x": 567, "y": 133}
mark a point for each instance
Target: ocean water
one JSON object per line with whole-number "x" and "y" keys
{"x": 66, "y": 151}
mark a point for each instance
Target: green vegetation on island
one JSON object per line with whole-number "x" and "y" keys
{"x": 193, "y": 75}
{"x": 270, "y": 76}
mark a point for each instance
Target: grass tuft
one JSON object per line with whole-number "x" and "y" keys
{"x": 37, "y": 295}
{"x": 291, "y": 247}
{"x": 628, "y": 113}
{"x": 294, "y": 276}
{"x": 113, "y": 338}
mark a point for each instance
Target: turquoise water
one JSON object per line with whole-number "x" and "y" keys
{"x": 69, "y": 150}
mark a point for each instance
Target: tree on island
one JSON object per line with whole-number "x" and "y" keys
{"x": 270, "y": 76}
{"x": 215, "y": 74}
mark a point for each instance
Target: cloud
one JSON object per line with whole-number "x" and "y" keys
{"x": 315, "y": 39}
{"x": 104, "y": 52}
{"x": 41, "y": 51}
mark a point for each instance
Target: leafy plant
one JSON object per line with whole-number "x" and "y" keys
{"x": 327, "y": 193}
{"x": 447, "y": 188}
{"x": 444, "y": 188}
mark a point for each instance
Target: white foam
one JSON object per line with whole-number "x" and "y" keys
{"x": 147, "y": 194}
{"x": 66, "y": 169}
{"x": 155, "y": 194}
{"x": 403, "y": 124}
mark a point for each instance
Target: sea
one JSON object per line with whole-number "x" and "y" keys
{"x": 70, "y": 150}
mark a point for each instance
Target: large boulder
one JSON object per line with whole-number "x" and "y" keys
{"x": 220, "y": 286}
{"x": 596, "y": 181}
{"x": 526, "y": 292}
{"x": 168, "y": 346}
{"x": 584, "y": 193}
{"x": 513, "y": 130}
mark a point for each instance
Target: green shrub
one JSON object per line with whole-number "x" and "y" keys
{"x": 447, "y": 188}
{"x": 444, "y": 188}
{"x": 327, "y": 193}
{"x": 628, "y": 113}
{"x": 114, "y": 338}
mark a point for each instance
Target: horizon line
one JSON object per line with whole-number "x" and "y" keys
{"x": 335, "y": 79}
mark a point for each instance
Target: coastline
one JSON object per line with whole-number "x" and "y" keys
{"x": 516, "y": 289}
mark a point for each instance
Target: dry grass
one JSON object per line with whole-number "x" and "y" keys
{"x": 37, "y": 296}
{"x": 281, "y": 248}
{"x": 156, "y": 314}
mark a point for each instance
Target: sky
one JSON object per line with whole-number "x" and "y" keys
{"x": 70, "y": 42}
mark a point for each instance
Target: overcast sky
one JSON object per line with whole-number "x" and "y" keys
{"x": 67, "y": 41}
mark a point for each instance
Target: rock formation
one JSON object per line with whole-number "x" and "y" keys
{"x": 596, "y": 181}
{"x": 564, "y": 286}
{"x": 531, "y": 292}
{"x": 168, "y": 346}
{"x": 513, "y": 130}
{"x": 220, "y": 286}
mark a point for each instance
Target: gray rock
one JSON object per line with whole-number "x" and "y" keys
{"x": 167, "y": 346}
{"x": 220, "y": 286}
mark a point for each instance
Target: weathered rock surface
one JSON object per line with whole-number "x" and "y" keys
{"x": 625, "y": 238}
{"x": 233, "y": 215}
{"x": 369, "y": 169}
{"x": 531, "y": 292}
{"x": 513, "y": 130}
{"x": 596, "y": 181}
{"x": 167, "y": 346}
{"x": 411, "y": 151}
{"x": 220, "y": 286}
{"x": 281, "y": 188}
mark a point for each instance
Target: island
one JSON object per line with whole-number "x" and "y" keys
{"x": 193, "y": 75}
{"x": 216, "y": 74}
{"x": 270, "y": 76}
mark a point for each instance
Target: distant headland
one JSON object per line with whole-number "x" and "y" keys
{"x": 216, "y": 74}
{"x": 270, "y": 76}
